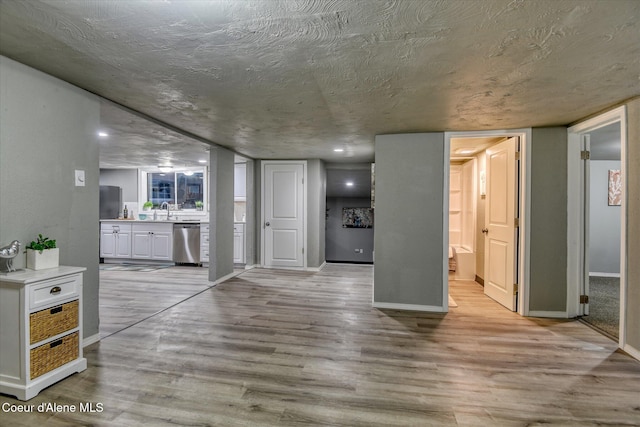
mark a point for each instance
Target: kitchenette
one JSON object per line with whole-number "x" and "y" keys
{"x": 168, "y": 224}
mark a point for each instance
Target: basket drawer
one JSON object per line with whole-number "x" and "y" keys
{"x": 54, "y": 354}
{"x": 47, "y": 323}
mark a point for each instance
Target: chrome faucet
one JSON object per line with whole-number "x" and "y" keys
{"x": 168, "y": 210}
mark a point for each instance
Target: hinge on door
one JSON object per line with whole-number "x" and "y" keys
{"x": 585, "y": 155}
{"x": 584, "y": 299}
{"x": 303, "y": 251}
{"x": 516, "y": 222}
{"x": 517, "y": 155}
{"x": 515, "y": 288}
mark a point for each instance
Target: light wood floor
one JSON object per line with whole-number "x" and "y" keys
{"x": 272, "y": 348}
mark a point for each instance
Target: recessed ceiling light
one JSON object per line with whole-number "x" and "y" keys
{"x": 349, "y": 184}
{"x": 338, "y": 150}
{"x": 202, "y": 161}
{"x": 103, "y": 134}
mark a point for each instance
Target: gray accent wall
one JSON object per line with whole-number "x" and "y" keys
{"x": 47, "y": 130}
{"x": 548, "y": 240}
{"x": 221, "y": 181}
{"x": 316, "y": 206}
{"x": 409, "y": 215}
{"x": 633, "y": 225}
{"x": 342, "y": 242}
{"x": 251, "y": 219}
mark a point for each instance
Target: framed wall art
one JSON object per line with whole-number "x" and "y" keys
{"x": 357, "y": 217}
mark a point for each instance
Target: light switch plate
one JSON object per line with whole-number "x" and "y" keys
{"x": 79, "y": 178}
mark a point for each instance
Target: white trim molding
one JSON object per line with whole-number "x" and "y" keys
{"x": 524, "y": 208}
{"x": 575, "y": 215}
{"x": 549, "y": 314}
{"x": 90, "y": 340}
{"x": 412, "y": 307}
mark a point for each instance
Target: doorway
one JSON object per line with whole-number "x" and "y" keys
{"x": 499, "y": 246}
{"x": 597, "y": 230}
{"x": 349, "y": 214}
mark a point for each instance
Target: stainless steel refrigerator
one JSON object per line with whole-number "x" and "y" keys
{"x": 110, "y": 201}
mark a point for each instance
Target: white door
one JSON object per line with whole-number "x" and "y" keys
{"x": 283, "y": 214}
{"x": 586, "y": 194}
{"x": 500, "y": 230}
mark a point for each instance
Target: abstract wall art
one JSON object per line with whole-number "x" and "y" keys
{"x": 615, "y": 187}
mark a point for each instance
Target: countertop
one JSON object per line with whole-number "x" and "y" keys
{"x": 162, "y": 221}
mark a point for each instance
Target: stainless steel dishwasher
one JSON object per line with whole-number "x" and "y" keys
{"x": 186, "y": 243}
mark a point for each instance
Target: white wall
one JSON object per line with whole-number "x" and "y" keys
{"x": 604, "y": 221}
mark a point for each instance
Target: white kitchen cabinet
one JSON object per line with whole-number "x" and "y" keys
{"x": 40, "y": 329}
{"x": 152, "y": 241}
{"x": 115, "y": 240}
{"x": 238, "y": 244}
{"x": 240, "y": 182}
{"x": 204, "y": 242}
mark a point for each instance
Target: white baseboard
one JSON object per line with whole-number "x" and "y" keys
{"x": 604, "y": 274}
{"x": 227, "y": 277}
{"x": 549, "y": 314}
{"x": 90, "y": 340}
{"x": 633, "y": 352}
{"x": 411, "y": 307}
{"x": 317, "y": 268}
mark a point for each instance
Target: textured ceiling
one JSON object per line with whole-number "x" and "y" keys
{"x": 295, "y": 79}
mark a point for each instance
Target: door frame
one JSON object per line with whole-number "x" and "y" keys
{"x": 576, "y": 213}
{"x": 304, "y": 208}
{"x": 524, "y": 230}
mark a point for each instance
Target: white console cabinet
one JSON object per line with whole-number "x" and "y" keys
{"x": 40, "y": 329}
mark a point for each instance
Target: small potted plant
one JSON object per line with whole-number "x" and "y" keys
{"x": 199, "y": 205}
{"x": 147, "y": 206}
{"x": 42, "y": 253}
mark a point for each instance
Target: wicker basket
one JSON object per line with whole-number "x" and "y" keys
{"x": 52, "y": 355}
{"x": 52, "y": 321}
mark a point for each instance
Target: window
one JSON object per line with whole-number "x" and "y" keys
{"x": 183, "y": 189}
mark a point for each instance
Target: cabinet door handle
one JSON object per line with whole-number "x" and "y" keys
{"x": 55, "y": 343}
{"x": 56, "y": 310}
{"x": 55, "y": 290}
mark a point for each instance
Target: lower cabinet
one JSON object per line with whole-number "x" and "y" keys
{"x": 238, "y": 244}
{"x": 152, "y": 241}
{"x": 40, "y": 329}
{"x": 115, "y": 240}
{"x": 133, "y": 240}
{"x": 204, "y": 242}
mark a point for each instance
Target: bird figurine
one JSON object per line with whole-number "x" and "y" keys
{"x": 9, "y": 252}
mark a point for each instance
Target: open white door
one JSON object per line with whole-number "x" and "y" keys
{"x": 500, "y": 229}
{"x": 586, "y": 194}
{"x": 283, "y": 207}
